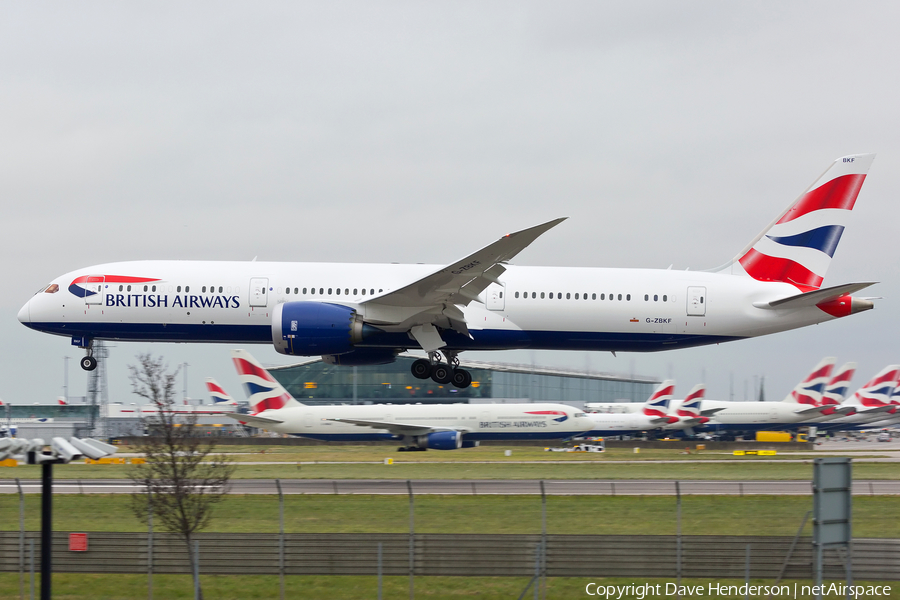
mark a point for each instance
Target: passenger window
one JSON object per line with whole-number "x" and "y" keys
{"x": 287, "y": 290}
{"x": 187, "y": 289}
{"x": 304, "y": 291}
{"x": 364, "y": 291}
{"x": 338, "y": 291}
{"x": 576, "y": 295}
{"x": 542, "y": 295}
{"x": 551, "y": 295}
{"x": 330, "y": 291}
{"x": 665, "y": 298}
{"x": 593, "y": 296}
{"x": 646, "y": 297}
{"x": 120, "y": 288}
{"x": 517, "y": 294}
{"x": 154, "y": 288}
{"x": 603, "y": 296}
{"x": 354, "y": 291}
{"x": 628, "y": 297}
{"x": 203, "y": 290}
{"x": 321, "y": 291}
{"x": 568, "y": 295}
{"x": 346, "y": 291}
{"x": 533, "y": 295}
{"x": 655, "y": 298}
{"x": 220, "y": 290}
{"x": 178, "y": 289}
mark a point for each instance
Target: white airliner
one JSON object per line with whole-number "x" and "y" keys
{"x": 870, "y": 404}
{"x": 355, "y": 314}
{"x": 653, "y": 415}
{"x": 801, "y": 405}
{"x": 419, "y": 426}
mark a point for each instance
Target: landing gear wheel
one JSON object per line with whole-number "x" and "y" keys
{"x": 461, "y": 378}
{"x": 421, "y": 369}
{"x": 441, "y": 374}
{"x": 88, "y": 363}
{"x": 401, "y": 449}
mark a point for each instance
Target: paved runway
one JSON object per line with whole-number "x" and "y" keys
{"x": 636, "y": 487}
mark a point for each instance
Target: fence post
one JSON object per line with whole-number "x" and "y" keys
{"x": 747, "y": 575}
{"x": 678, "y": 535}
{"x": 149, "y": 548}
{"x": 543, "y": 580}
{"x": 280, "y": 536}
{"x": 380, "y": 546}
{"x": 412, "y": 541}
{"x": 31, "y": 563}
{"x": 197, "y": 570}
{"x": 21, "y": 541}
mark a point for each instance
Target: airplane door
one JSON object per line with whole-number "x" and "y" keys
{"x": 94, "y": 288}
{"x": 495, "y": 296}
{"x": 259, "y": 295}
{"x": 308, "y": 420}
{"x": 696, "y": 301}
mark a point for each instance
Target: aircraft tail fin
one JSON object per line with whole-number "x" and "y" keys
{"x": 797, "y": 247}
{"x": 218, "y": 393}
{"x": 263, "y": 392}
{"x": 690, "y": 406}
{"x": 657, "y": 404}
{"x": 809, "y": 391}
{"x": 878, "y": 390}
{"x": 836, "y": 390}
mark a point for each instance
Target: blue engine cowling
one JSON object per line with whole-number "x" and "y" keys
{"x": 363, "y": 356}
{"x": 441, "y": 440}
{"x": 316, "y": 328}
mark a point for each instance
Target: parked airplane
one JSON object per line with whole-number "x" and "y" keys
{"x": 653, "y": 415}
{"x": 419, "y": 426}
{"x": 689, "y": 412}
{"x": 802, "y": 404}
{"x": 871, "y": 403}
{"x": 355, "y": 314}
{"x": 218, "y": 394}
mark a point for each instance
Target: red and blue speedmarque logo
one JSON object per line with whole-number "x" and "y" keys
{"x": 92, "y": 281}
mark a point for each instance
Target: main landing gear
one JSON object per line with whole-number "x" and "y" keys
{"x": 442, "y": 373}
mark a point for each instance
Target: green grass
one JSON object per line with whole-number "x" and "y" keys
{"x": 366, "y": 462}
{"x": 619, "y": 515}
{"x": 252, "y": 587}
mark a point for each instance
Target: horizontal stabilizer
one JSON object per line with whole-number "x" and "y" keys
{"x": 815, "y": 297}
{"x": 708, "y": 412}
{"x": 812, "y": 410}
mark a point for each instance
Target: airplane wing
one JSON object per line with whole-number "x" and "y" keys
{"x": 254, "y": 420}
{"x": 815, "y": 297}
{"x": 435, "y": 298}
{"x": 400, "y": 429}
{"x": 708, "y": 412}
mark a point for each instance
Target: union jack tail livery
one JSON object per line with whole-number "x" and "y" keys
{"x": 690, "y": 406}
{"x": 876, "y": 394}
{"x": 657, "y": 404}
{"x": 798, "y": 246}
{"x": 836, "y": 390}
{"x": 218, "y": 394}
{"x": 61, "y": 401}
{"x": 263, "y": 392}
{"x": 809, "y": 391}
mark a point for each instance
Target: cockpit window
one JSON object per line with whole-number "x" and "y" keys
{"x": 577, "y": 415}
{"x": 51, "y": 289}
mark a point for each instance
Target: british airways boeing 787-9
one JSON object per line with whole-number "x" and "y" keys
{"x": 356, "y": 314}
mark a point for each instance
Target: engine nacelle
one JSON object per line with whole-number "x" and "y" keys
{"x": 363, "y": 356}
{"x": 314, "y": 328}
{"x": 441, "y": 440}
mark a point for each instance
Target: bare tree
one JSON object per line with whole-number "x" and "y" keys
{"x": 181, "y": 479}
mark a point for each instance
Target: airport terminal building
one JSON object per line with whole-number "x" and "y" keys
{"x": 315, "y": 382}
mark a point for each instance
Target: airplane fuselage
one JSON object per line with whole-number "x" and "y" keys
{"x": 550, "y": 308}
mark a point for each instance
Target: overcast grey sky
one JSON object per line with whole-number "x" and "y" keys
{"x": 669, "y": 133}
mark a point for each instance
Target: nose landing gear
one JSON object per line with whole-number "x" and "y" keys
{"x": 88, "y": 363}
{"x": 442, "y": 373}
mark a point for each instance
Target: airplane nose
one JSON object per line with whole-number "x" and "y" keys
{"x": 25, "y": 313}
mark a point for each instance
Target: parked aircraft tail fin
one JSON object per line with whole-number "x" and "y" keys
{"x": 797, "y": 247}
{"x": 657, "y": 404}
{"x": 809, "y": 391}
{"x": 218, "y": 393}
{"x": 262, "y": 390}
